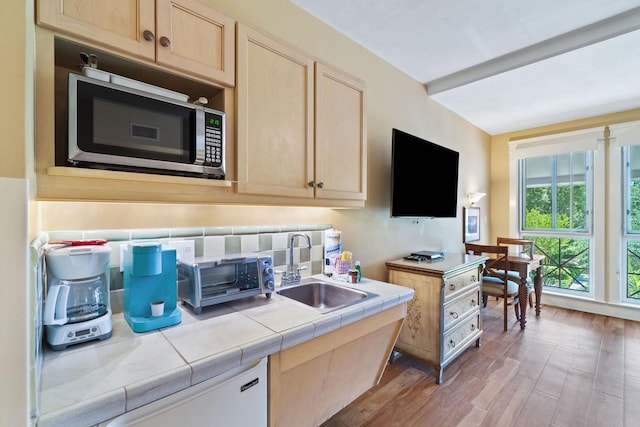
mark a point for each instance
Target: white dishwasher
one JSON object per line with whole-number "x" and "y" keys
{"x": 235, "y": 398}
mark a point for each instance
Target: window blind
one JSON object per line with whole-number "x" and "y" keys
{"x": 560, "y": 143}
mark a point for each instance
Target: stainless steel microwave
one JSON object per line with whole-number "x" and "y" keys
{"x": 123, "y": 124}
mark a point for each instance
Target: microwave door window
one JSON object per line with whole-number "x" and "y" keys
{"x": 125, "y": 124}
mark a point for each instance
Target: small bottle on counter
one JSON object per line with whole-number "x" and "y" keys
{"x": 353, "y": 276}
{"x": 359, "y": 270}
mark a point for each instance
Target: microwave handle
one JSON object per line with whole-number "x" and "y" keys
{"x": 197, "y": 119}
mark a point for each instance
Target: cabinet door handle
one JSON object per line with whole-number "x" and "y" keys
{"x": 165, "y": 42}
{"x": 148, "y": 35}
{"x": 312, "y": 184}
{"x": 321, "y": 184}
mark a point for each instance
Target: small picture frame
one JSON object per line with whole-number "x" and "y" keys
{"x": 471, "y": 224}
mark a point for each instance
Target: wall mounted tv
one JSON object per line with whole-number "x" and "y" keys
{"x": 424, "y": 178}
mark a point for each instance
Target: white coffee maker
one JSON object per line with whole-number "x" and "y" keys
{"x": 77, "y": 307}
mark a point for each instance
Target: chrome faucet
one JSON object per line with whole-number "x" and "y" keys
{"x": 292, "y": 275}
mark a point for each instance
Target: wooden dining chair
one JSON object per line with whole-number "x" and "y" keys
{"x": 494, "y": 281}
{"x": 524, "y": 248}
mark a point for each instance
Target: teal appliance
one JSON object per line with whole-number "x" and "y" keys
{"x": 150, "y": 277}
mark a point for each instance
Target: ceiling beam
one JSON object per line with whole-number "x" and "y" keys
{"x": 599, "y": 31}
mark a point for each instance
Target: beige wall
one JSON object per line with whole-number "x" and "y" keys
{"x": 393, "y": 100}
{"x": 13, "y": 108}
{"x": 499, "y": 196}
{"x": 16, "y": 136}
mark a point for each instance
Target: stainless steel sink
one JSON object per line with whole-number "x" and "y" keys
{"x": 324, "y": 297}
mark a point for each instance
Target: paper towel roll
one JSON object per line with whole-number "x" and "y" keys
{"x": 332, "y": 249}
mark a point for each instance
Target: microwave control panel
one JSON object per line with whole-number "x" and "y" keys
{"x": 213, "y": 139}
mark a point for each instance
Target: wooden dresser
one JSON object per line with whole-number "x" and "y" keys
{"x": 443, "y": 319}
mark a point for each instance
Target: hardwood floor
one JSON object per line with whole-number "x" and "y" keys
{"x": 568, "y": 368}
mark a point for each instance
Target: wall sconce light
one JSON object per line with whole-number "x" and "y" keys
{"x": 475, "y": 197}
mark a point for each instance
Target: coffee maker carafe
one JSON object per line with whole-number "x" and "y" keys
{"x": 77, "y": 307}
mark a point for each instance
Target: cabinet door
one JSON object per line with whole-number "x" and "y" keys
{"x": 195, "y": 38}
{"x": 340, "y": 143}
{"x": 310, "y": 382}
{"x": 275, "y": 117}
{"x": 115, "y": 23}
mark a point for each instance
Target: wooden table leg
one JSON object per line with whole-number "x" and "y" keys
{"x": 537, "y": 286}
{"x": 523, "y": 297}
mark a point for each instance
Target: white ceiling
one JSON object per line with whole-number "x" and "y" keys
{"x": 504, "y": 65}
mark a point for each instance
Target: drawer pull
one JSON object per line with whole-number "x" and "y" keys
{"x": 453, "y": 314}
{"x": 452, "y": 287}
{"x": 473, "y": 327}
{"x": 452, "y": 344}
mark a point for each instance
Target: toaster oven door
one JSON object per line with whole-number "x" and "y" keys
{"x": 229, "y": 278}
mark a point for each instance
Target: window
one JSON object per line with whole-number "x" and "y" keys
{"x": 555, "y": 192}
{"x": 631, "y": 191}
{"x": 554, "y": 177}
{"x": 578, "y": 198}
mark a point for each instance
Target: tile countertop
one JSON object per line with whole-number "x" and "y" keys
{"x": 95, "y": 381}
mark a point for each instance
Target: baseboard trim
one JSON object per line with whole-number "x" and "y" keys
{"x": 622, "y": 311}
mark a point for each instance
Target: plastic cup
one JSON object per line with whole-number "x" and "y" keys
{"x": 157, "y": 308}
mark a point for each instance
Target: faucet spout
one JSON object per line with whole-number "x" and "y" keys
{"x": 292, "y": 275}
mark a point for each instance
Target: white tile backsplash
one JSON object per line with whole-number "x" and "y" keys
{"x": 280, "y": 241}
{"x": 249, "y": 243}
{"x": 213, "y": 243}
{"x": 213, "y": 247}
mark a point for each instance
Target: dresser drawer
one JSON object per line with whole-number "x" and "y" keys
{"x": 456, "y": 309}
{"x": 458, "y": 282}
{"x": 460, "y": 336}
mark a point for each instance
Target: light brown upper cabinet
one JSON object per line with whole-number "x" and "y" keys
{"x": 185, "y": 35}
{"x": 340, "y": 143}
{"x": 301, "y": 127}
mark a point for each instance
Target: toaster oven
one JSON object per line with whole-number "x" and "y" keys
{"x": 207, "y": 282}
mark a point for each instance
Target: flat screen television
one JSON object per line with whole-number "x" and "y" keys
{"x": 424, "y": 178}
